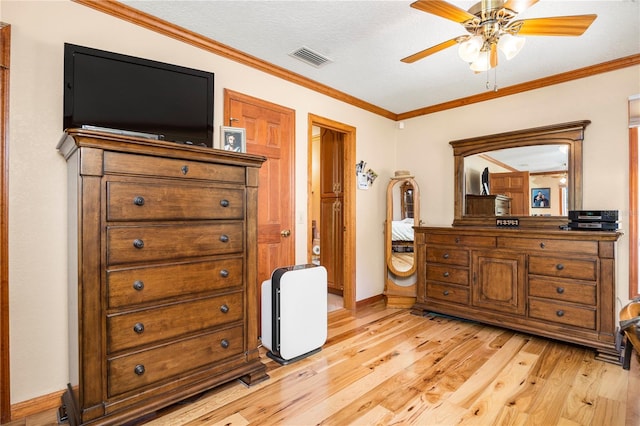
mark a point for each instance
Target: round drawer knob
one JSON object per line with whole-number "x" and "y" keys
{"x": 457, "y": 240}
{"x": 559, "y": 266}
{"x": 560, "y": 290}
{"x": 139, "y": 370}
{"x": 224, "y": 309}
{"x": 560, "y": 313}
{"x": 224, "y": 343}
{"x": 138, "y": 201}
{"x": 185, "y": 169}
{"x": 224, "y": 203}
{"x": 542, "y": 245}
{"x": 446, "y": 292}
{"x": 446, "y": 255}
{"x": 446, "y": 274}
{"x": 138, "y": 243}
{"x": 224, "y": 238}
{"x": 138, "y": 328}
{"x": 224, "y": 273}
{"x": 138, "y": 285}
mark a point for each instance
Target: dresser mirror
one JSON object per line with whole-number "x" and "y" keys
{"x": 403, "y": 213}
{"x": 512, "y": 167}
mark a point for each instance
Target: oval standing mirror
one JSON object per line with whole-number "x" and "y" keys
{"x": 403, "y": 213}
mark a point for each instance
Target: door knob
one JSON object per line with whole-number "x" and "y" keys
{"x": 285, "y": 233}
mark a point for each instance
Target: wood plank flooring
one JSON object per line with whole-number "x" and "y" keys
{"x": 385, "y": 366}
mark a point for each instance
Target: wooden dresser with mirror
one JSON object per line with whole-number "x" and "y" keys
{"x": 537, "y": 278}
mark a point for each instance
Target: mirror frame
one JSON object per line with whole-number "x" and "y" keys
{"x": 571, "y": 134}
{"x": 399, "y": 181}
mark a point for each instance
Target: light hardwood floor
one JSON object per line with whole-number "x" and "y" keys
{"x": 385, "y": 366}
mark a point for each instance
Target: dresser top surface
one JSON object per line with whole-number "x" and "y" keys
{"x": 550, "y": 233}
{"x": 74, "y": 139}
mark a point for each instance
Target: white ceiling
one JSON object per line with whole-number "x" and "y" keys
{"x": 366, "y": 39}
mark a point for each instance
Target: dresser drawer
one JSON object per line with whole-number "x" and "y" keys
{"x": 557, "y": 312}
{"x": 448, "y": 256}
{"x": 142, "y": 165}
{"x": 568, "y": 291}
{"x": 579, "y": 269}
{"x": 144, "y": 285}
{"x": 128, "y": 244}
{"x": 460, "y": 240}
{"x": 449, "y": 293}
{"x": 447, "y": 274}
{"x": 143, "y": 201}
{"x": 545, "y": 245}
{"x": 140, "y": 369}
{"x": 139, "y": 328}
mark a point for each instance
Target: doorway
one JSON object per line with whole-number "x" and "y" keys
{"x": 331, "y": 205}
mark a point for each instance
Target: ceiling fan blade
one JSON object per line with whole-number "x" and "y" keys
{"x": 519, "y": 6}
{"x": 556, "y": 26}
{"x": 430, "y": 51}
{"x": 443, "y": 9}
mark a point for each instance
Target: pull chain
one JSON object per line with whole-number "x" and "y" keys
{"x": 495, "y": 80}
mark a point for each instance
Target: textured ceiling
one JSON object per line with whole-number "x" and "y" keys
{"x": 365, "y": 41}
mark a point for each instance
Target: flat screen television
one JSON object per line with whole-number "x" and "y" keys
{"x": 485, "y": 182}
{"x": 125, "y": 94}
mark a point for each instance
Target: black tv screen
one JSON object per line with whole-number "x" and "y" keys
{"x": 123, "y": 93}
{"x": 485, "y": 182}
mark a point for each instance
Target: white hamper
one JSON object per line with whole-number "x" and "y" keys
{"x": 294, "y": 312}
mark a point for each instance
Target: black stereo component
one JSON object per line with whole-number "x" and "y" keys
{"x": 594, "y": 226}
{"x": 593, "y": 220}
{"x": 593, "y": 215}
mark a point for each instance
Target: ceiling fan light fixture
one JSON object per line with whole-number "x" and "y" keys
{"x": 482, "y": 63}
{"x": 510, "y": 45}
{"x": 469, "y": 50}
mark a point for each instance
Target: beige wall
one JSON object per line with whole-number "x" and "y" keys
{"x": 37, "y": 191}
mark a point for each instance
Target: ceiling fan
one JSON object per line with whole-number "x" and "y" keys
{"x": 491, "y": 28}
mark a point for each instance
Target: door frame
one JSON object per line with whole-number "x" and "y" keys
{"x": 349, "y": 210}
{"x": 5, "y": 384}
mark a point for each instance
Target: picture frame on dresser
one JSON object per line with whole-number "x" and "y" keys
{"x": 233, "y": 139}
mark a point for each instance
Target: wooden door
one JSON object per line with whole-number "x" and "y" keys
{"x": 331, "y": 163}
{"x": 498, "y": 281}
{"x": 331, "y": 202}
{"x": 514, "y": 185}
{"x": 270, "y": 133}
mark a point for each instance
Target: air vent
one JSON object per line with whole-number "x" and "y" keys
{"x": 310, "y": 57}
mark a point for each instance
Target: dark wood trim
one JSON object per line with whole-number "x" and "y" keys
{"x": 36, "y": 405}
{"x": 613, "y": 65}
{"x": 361, "y": 304}
{"x": 5, "y": 383}
{"x": 633, "y": 212}
{"x": 348, "y": 179}
{"x": 130, "y": 14}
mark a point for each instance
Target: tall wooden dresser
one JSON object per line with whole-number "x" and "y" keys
{"x": 163, "y": 258}
{"x": 552, "y": 283}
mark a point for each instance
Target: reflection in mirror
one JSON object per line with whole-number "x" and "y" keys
{"x": 519, "y": 168}
{"x": 521, "y": 181}
{"x": 402, "y": 214}
{"x": 402, "y": 223}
